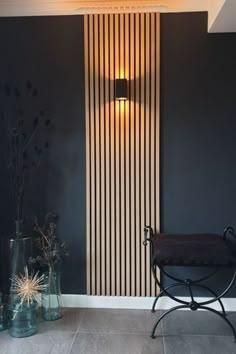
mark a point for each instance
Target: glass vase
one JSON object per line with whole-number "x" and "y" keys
{"x": 21, "y": 249}
{"x": 51, "y": 297}
{"x": 23, "y": 319}
{"x": 4, "y": 318}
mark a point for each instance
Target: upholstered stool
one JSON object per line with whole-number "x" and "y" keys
{"x": 200, "y": 250}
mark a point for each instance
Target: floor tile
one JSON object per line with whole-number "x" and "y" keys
{"x": 118, "y": 321}
{"x": 69, "y": 322}
{"x": 52, "y": 343}
{"x": 98, "y": 343}
{"x": 199, "y": 345}
{"x": 196, "y": 323}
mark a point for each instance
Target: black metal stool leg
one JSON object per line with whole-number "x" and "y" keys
{"x": 164, "y": 315}
{"x": 163, "y": 292}
{"x": 155, "y": 301}
{"x": 222, "y": 316}
{"x": 213, "y": 293}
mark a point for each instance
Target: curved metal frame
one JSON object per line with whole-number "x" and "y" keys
{"x": 193, "y": 304}
{"x": 196, "y": 285}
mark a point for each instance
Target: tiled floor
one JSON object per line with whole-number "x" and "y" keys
{"x": 98, "y": 331}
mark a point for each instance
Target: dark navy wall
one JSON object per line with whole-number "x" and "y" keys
{"x": 49, "y": 52}
{"x": 198, "y": 125}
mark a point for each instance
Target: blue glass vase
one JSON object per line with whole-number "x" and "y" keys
{"x": 23, "y": 319}
{"x": 51, "y": 296}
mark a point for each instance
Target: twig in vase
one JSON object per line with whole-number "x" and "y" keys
{"x": 52, "y": 249}
{"x": 24, "y": 152}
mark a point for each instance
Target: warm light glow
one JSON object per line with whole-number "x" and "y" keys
{"x": 122, "y": 73}
{"x": 121, "y": 98}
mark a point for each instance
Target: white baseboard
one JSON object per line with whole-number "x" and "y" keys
{"x": 145, "y": 303}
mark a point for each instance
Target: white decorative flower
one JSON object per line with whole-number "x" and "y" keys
{"x": 28, "y": 287}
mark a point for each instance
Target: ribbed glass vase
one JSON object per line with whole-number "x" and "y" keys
{"x": 23, "y": 319}
{"x": 51, "y": 296}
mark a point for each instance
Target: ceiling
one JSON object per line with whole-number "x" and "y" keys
{"x": 221, "y": 13}
{"x": 55, "y": 7}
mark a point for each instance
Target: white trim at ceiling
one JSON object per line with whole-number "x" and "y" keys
{"x": 120, "y": 9}
{"x": 75, "y": 7}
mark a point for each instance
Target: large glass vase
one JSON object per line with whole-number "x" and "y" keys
{"x": 4, "y": 318}
{"x": 23, "y": 319}
{"x": 21, "y": 249}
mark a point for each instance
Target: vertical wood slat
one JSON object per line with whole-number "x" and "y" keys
{"x": 107, "y": 157}
{"x": 113, "y": 166}
{"x": 102, "y": 155}
{"x": 117, "y": 155}
{"x": 127, "y": 163}
{"x": 153, "y": 117}
{"x": 142, "y": 127}
{"x": 97, "y": 154}
{"x": 88, "y": 153}
{"x": 132, "y": 155}
{"x": 122, "y": 151}
{"x": 91, "y": 280}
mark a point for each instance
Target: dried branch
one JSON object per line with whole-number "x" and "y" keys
{"x": 52, "y": 250}
{"x": 23, "y": 154}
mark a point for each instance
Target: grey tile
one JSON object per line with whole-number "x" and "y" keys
{"x": 196, "y": 323}
{"x": 69, "y": 322}
{"x": 53, "y": 343}
{"x": 118, "y": 321}
{"x": 199, "y": 345}
{"x": 98, "y": 343}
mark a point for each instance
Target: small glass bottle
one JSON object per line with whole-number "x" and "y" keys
{"x": 51, "y": 296}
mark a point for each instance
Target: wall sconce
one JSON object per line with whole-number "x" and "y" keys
{"x": 121, "y": 89}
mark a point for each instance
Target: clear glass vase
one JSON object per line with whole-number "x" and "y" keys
{"x": 23, "y": 319}
{"x": 20, "y": 251}
{"x": 51, "y": 296}
{"x": 4, "y": 318}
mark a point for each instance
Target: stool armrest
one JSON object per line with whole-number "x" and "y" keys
{"x": 229, "y": 230}
{"x": 148, "y": 230}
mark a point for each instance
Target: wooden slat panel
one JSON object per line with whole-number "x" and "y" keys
{"x": 122, "y": 151}
{"x": 147, "y": 185}
{"x": 122, "y": 159}
{"x": 137, "y": 156}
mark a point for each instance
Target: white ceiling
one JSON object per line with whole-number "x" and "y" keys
{"x": 221, "y": 13}
{"x": 225, "y": 20}
{"x": 63, "y": 7}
